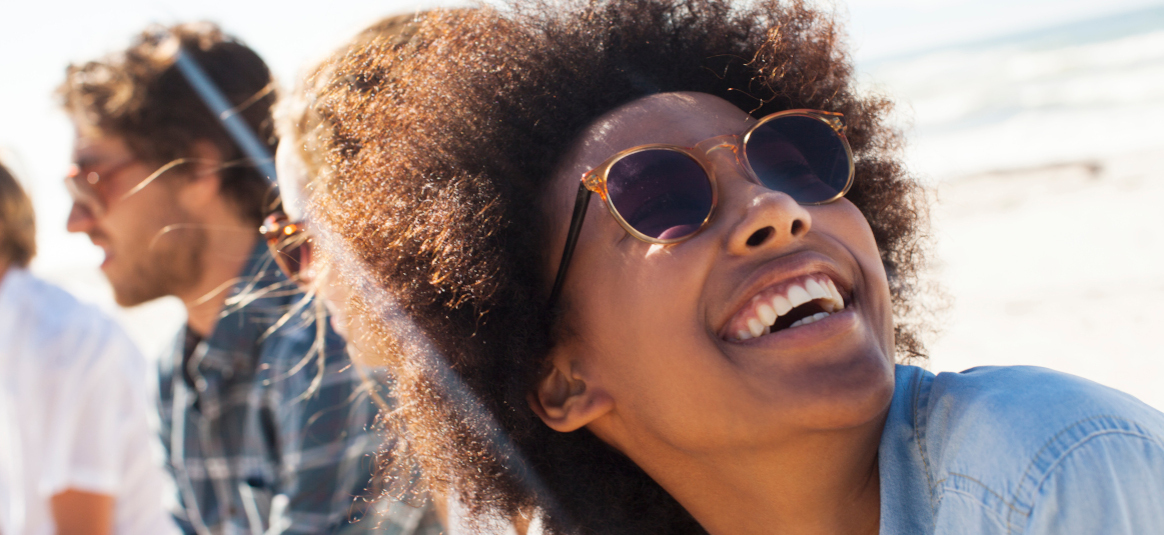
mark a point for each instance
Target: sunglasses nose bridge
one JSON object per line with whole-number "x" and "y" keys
{"x": 713, "y": 149}
{"x": 84, "y": 195}
{"x": 730, "y": 142}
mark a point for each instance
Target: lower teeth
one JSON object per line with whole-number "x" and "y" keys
{"x": 809, "y": 319}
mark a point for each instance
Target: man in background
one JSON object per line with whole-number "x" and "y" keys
{"x": 75, "y": 442}
{"x": 263, "y": 418}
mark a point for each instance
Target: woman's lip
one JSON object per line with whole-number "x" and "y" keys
{"x": 779, "y": 271}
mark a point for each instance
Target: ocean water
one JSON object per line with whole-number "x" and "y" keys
{"x": 1083, "y": 91}
{"x": 1046, "y": 156}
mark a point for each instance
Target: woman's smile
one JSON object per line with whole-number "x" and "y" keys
{"x": 787, "y": 300}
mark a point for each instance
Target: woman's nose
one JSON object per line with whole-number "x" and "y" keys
{"x": 760, "y": 218}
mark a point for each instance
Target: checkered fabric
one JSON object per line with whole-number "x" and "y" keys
{"x": 269, "y": 428}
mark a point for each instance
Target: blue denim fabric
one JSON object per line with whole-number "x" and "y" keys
{"x": 1019, "y": 450}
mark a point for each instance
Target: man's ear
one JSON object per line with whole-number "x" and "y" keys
{"x": 566, "y": 399}
{"x": 205, "y": 175}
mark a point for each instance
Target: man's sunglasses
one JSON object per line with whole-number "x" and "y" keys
{"x": 290, "y": 244}
{"x": 666, "y": 193}
{"x": 88, "y": 188}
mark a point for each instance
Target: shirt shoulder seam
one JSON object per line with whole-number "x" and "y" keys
{"x": 918, "y": 424}
{"x": 1052, "y": 454}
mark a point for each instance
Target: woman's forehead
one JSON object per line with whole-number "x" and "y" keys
{"x": 292, "y": 179}
{"x": 674, "y": 118}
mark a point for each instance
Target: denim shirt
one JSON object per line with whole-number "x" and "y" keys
{"x": 1019, "y": 450}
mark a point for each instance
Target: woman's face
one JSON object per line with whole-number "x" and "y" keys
{"x": 293, "y": 179}
{"x": 658, "y": 335}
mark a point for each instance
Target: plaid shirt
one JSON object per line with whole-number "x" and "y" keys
{"x": 254, "y": 444}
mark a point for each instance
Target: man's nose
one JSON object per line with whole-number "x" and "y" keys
{"x": 80, "y": 219}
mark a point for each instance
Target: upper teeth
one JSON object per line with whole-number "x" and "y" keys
{"x": 766, "y": 311}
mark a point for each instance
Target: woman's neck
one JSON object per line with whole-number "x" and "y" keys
{"x": 826, "y": 483}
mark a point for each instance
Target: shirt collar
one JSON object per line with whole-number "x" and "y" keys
{"x": 906, "y": 482}
{"x": 254, "y": 306}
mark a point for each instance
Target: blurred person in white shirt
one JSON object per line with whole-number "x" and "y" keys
{"x": 75, "y": 444}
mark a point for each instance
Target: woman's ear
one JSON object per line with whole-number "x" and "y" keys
{"x": 566, "y": 399}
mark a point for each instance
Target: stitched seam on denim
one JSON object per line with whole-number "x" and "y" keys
{"x": 1059, "y": 461}
{"x": 1104, "y": 420}
{"x": 1002, "y": 499}
{"x": 1054, "y": 439}
{"x": 1012, "y": 503}
{"x": 917, "y": 391}
{"x": 993, "y": 514}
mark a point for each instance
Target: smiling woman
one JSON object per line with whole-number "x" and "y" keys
{"x": 716, "y": 341}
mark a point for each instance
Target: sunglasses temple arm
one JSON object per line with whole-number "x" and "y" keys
{"x": 580, "y": 205}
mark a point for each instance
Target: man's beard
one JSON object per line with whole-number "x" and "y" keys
{"x": 172, "y": 265}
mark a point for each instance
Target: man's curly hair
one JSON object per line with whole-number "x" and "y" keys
{"x": 435, "y": 153}
{"x": 140, "y": 95}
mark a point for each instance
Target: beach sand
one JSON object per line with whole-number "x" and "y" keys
{"x": 1059, "y": 266}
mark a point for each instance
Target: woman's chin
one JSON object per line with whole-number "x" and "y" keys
{"x": 850, "y": 388}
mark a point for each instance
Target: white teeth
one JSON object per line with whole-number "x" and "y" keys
{"x": 767, "y": 315}
{"x": 781, "y": 305}
{"x": 809, "y": 319}
{"x": 756, "y": 327}
{"x": 797, "y": 295}
{"x": 816, "y": 290}
{"x": 836, "y": 302}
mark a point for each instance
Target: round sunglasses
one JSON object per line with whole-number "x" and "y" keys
{"x": 666, "y": 194}
{"x": 290, "y": 244}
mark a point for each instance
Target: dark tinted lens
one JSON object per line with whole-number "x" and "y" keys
{"x": 801, "y": 156}
{"x": 661, "y": 193}
{"x": 292, "y": 253}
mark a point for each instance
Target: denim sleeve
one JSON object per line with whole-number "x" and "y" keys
{"x": 1111, "y": 482}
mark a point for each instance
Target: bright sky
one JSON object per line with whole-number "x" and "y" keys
{"x": 880, "y": 28}
{"x": 38, "y": 39}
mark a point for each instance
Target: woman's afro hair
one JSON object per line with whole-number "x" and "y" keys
{"x": 437, "y": 148}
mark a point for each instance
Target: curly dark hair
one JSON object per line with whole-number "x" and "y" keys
{"x": 437, "y": 151}
{"x": 140, "y": 95}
